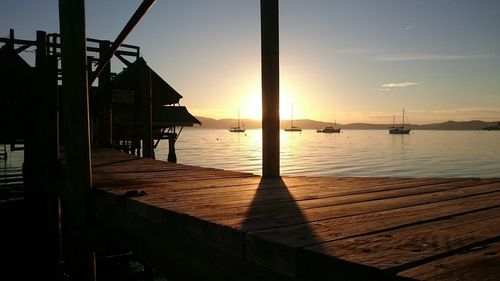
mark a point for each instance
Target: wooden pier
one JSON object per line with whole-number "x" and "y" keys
{"x": 194, "y": 223}
{"x": 210, "y": 224}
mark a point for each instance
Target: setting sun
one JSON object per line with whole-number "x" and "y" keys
{"x": 251, "y": 104}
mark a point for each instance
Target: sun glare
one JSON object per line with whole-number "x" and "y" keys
{"x": 251, "y": 105}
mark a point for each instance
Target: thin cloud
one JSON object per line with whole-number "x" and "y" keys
{"x": 398, "y": 85}
{"x": 357, "y": 51}
{"x": 429, "y": 57}
{"x": 408, "y": 27}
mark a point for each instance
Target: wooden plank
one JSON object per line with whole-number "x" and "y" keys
{"x": 269, "y": 216}
{"x": 277, "y": 247}
{"x": 242, "y": 196}
{"x": 290, "y": 228}
{"x": 407, "y": 247}
{"x": 173, "y": 246}
{"x": 301, "y": 190}
{"x": 481, "y": 263}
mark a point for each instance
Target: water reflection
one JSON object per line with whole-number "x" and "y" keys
{"x": 351, "y": 153}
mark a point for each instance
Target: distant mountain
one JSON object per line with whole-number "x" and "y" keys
{"x": 453, "y": 125}
{"x": 211, "y": 123}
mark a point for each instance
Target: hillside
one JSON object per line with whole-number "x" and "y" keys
{"x": 210, "y": 123}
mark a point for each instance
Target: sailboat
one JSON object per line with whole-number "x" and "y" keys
{"x": 238, "y": 129}
{"x": 329, "y": 129}
{"x": 401, "y": 130}
{"x": 292, "y": 127}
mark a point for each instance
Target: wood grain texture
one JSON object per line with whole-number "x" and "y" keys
{"x": 480, "y": 263}
{"x": 296, "y": 228}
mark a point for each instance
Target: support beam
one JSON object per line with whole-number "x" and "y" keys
{"x": 105, "y": 115}
{"x": 11, "y": 39}
{"x": 38, "y": 168}
{"x": 172, "y": 157}
{"x": 146, "y": 112}
{"x": 270, "y": 88}
{"x": 136, "y": 17}
{"x": 76, "y": 138}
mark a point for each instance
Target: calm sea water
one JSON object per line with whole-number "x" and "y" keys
{"x": 351, "y": 153}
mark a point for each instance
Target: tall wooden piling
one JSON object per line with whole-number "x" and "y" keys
{"x": 104, "y": 98}
{"x": 146, "y": 112}
{"x": 172, "y": 157}
{"x": 40, "y": 159}
{"x": 270, "y": 88}
{"x": 76, "y": 137}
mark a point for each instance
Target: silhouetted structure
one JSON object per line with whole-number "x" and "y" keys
{"x": 16, "y": 82}
{"x": 38, "y": 106}
{"x": 168, "y": 117}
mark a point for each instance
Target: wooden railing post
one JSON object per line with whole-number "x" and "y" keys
{"x": 104, "y": 98}
{"x": 146, "y": 112}
{"x": 76, "y": 138}
{"x": 270, "y": 88}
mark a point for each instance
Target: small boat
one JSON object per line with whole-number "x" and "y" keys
{"x": 401, "y": 130}
{"x": 238, "y": 129}
{"x": 329, "y": 129}
{"x": 292, "y": 127}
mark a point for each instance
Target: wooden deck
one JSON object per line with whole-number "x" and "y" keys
{"x": 209, "y": 224}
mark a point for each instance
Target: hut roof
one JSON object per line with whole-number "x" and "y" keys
{"x": 129, "y": 79}
{"x": 163, "y": 117}
{"x": 166, "y": 116}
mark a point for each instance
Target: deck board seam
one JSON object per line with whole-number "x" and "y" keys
{"x": 401, "y": 226}
{"x": 364, "y": 213}
{"x": 439, "y": 256}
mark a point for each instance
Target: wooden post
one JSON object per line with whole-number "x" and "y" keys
{"x": 270, "y": 88}
{"x": 104, "y": 98}
{"x": 47, "y": 152}
{"x": 11, "y": 40}
{"x": 146, "y": 109}
{"x": 39, "y": 166}
{"x": 81, "y": 258}
{"x": 171, "y": 149}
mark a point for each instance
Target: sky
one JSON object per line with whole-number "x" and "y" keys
{"x": 349, "y": 61}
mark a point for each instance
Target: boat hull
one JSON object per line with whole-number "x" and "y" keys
{"x": 329, "y": 130}
{"x": 293, "y": 129}
{"x": 237, "y": 130}
{"x": 399, "y": 131}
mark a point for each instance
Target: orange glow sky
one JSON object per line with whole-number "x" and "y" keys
{"x": 353, "y": 61}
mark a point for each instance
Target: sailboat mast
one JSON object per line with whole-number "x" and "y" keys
{"x": 403, "y": 118}
{"x": 238, "y": 118}
{"x": 291, "y": 121}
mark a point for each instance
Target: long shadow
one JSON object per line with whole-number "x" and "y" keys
{"x": 269, "y": 244}
{"x": 273, "y": 206}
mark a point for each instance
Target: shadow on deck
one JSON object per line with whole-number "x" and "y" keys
{"x": 201, "y": 223}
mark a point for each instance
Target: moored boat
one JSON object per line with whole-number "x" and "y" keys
{"x": 329, "y": 130}
{"x": 401, "y": 130}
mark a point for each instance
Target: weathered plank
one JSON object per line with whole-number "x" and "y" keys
{"x": 289, "y": 227}
{"x": 179, "y": 245}
{"x": 269, "y": 216}
{"x": 403, "y": 248}
{"x": 277, "y": 247}
{"x": 206, "y": 201}
{"x": 481, "y": 263}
